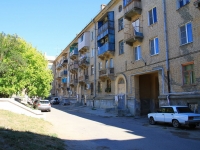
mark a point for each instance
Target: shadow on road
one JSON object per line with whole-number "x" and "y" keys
{"x": 17, "y": 140}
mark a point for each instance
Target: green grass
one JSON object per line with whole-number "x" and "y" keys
{"x": 20, "y": 132}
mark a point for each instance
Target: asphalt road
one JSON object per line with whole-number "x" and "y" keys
{"x": 85, "y": 131}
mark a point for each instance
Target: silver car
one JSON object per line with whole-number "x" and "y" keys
{"x": 43, "y": 105}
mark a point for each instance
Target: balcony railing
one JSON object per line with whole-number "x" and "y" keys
{"x": 106, "y": 72}
{"x": 84, "y": 61}
{"x": 132, "y": 8}
{"x": 105, "y": 26}
{"x": 133, "y": 34}
{"x": 64, "y": 62}
{"x": 59, "y": 66}
{"x": 64, "y": 73}
{"x": 83, "y": 78}
{"x": 73, "y": 82}
{"x": 64, "y": 80}
{"x": 106, "y": 47}
{"x": 74, "y": 52}
{"x": 73, "y": 66}
{"x": 58, "y": 76}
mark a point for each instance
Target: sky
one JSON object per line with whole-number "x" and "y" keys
{"x": 48, "y": 25}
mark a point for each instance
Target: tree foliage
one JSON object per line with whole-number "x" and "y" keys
{"x": 22, "y": 67}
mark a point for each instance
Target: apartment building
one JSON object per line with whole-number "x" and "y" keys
{"x": 135, "y": 55}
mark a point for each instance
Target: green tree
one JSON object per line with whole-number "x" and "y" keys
{"x": 22, "y": 67}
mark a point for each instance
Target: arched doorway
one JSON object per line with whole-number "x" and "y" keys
{"x": 121, "y": 86}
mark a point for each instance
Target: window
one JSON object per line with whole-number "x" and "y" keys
{"x": 120, "y": 8}
{"x": 137, "y": 53}
{"x": 81, "y": 38}
{"x": 106, "y": 64}
{"x": 91, "y": 87}
{"x": 92, "y": 52}
{"x": 181, "y": 3}
{"x": 121, "y": 47}
{"x": 188, "y": 73}
{"x": 120, "y": 24}
{"x": 100, "y": 65}
{"x": 108, "y": 86}
{"x": 111, "y": 63}
{"x": 126, "y": 2}
{"x": 92, "y": 69}
{"x": 186, "y": 33}
{"x": 154, "y": 46}
{"x": 99, "y": 87}
{"x": 152, "y": 16}
{"x": 92, "y": 35}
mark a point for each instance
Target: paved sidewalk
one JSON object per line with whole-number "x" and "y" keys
{"x": 90, "y": 110}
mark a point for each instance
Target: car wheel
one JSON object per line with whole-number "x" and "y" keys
{"x": 192, "y": 126}
{"x": 152, "y": 121}
{"x": 175, "y": 123}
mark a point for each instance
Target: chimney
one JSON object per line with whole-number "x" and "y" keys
{"x": 103, "y": 6}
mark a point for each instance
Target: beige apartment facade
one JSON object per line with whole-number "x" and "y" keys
{"x": 135, "y": 55}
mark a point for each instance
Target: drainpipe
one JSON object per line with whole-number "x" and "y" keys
{"x": 166, "y": 45}
{"x": 95, "y": 57}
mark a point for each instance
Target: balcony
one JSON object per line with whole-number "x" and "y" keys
{"x": 58, "y": 77}
{"x": 84, "y": 42}
{"x": 197, "y": 4}
{"x": 59, "y": 67}
{"x": 106, "y": 50}
{"x": 105, "y": 29}
{"x": 73, "y": 82}
{"x": 84, "y": 62}
{"x": 64, "y": 73}
{"x": 132, "y": 34}
{"x": 132, "y": 8}
{"x": 83, "y": 79}
{"x": 73, "y": 67}
{"x": 73, "y": 53}
{"x": 107, "y": 73}
{"x": 64, "y": 62}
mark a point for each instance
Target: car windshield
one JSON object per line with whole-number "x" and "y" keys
{"x": 44, "y": 102}
{"x": 183, "y": 110}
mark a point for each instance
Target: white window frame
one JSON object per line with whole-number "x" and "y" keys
{"x": 186, "y": 32}
{"x": 92, "y": 35}
{"x": 100, "y": 65}
{"x": 154, "y": 42}
{"x": 138, "y": 53}
{"x": 120, "y": 24}
{"x": 81, "y": 38}
{"x": 153, "y": 19}
{"x": 111, "y": 63}
{"x": 92, "y": 69}
{"x": 92, "y": 52}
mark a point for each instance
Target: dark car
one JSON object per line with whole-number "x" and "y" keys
{"x": 66, "y": 102}
{"x": 55, "y": 100}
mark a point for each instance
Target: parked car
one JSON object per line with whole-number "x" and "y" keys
{"x": 43, "y": 105}
{"x": 177, "y": 115}
{"x": 55, "y": 100}
{"x": 65, "y": 102}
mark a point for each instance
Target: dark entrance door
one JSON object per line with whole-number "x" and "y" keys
{"x": 149, "y": 91}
